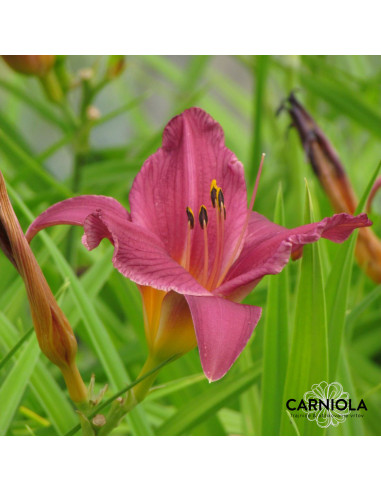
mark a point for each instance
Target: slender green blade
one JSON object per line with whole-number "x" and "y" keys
{"x": 11, "y": 146}
{"x": 261, "y": 71}
{"x": 337, "y": 289}
{"x": 275, "y": 351}
{"x": 15, "y": 348}
{"x": 336, "y": 294}
{"x": 167, "y": 389}
{"x": 95, "y": 329}
{"x": 308, "y": 360}
{"x": 13, "y": 387}
{"x": 344, "y": 101}
{"x": 207, "y": 403}
{"x": 40, "y": 107}
{"x": 53, "y": 400}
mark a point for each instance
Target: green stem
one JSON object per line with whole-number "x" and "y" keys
{"x": 120, "y": 407}
{"x": 52, "y": 87}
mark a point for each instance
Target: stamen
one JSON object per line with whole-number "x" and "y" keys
{"x": 203, "y": 218}
{"x": 220, "y": 198}
{"x": 221, "y": 252}
{"x": 232, "y": 258}
{"x": 190, "y": 216}
{"x": 220, "y": 229}
{"x": 213, "y": 193}
{"x": 218, "y": 244}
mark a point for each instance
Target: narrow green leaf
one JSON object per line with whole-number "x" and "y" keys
{"x": 40, "y": 107}
{"x": 13, "y": 387}
{"x": 367, "y": 301}
{"x": 95, "y": 329}
{"x": 308, "y": 360}
{"x": 8, "y": 144}
{"x": 336, "y": 293}
{"x": 123, "y": 109}
{"x": 9, "y": 128}
{"x": 337, "y": 288}
{"x": 207, "y": 403}
{"x": 250, "y": 400}
{"x": 344, "y": 101}
{"x": 352, "y": 426}
{"x": 16, "y": 347}
{"x": 51, "y": 397}
{"x": 261, "y": 70}
{"x": 275, "y": 342}
{"x": 167, "y": 389}
{"x": 361, "y": 205}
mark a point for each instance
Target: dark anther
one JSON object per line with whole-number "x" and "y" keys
{"x": 203, "y": 216}
{"x": 221, "y": 200}
{"x": 190, "y": 217}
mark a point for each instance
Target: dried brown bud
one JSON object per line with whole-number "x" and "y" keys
{"x": 38, "y": 65}
{"x": 335, "y": 182}
{"x": 53, "y": 331}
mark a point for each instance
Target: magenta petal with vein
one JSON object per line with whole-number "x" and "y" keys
{"x": 139, "y": 254}
{"x": 179, "y": 175}
{"x": 190, "y": 232}
{"x": 268, "y": 246}
{"x": 222, "y": 329}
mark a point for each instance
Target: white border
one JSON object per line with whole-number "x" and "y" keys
{"x": 189, "y": 463}
{"x": 196, "y": 27}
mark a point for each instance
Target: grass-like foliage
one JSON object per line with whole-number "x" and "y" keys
{"x": 321, "y": 319}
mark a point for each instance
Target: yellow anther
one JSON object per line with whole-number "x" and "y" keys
{"x": 213, "y": 192}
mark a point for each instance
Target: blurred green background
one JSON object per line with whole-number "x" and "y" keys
{"x": 45, "y": 157}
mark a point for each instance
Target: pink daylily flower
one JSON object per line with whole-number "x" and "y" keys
{"x": 203, "y": 262}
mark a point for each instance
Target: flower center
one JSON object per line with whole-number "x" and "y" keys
{"x": 217, "y": 275}
{"x": 218, "y": 202}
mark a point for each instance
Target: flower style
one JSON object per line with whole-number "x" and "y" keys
{"x": 53, "y": 331}
{"x": 191, "y": 244}
{"x": 327, "y": 393}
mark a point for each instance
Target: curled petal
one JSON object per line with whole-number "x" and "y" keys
{"x": 222, "y": 329}
{"x": 74, "y": 211}
{"x": 139, "y": 254}
{"x": 268, "y": 247}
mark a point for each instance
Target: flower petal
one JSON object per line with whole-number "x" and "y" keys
{"x": 222, "y": 329}
{"x": 139, "y": 254}
{"x": 268, "y": 247}
{"x": 179, "y": 175}
{"x": 74, "y": 211}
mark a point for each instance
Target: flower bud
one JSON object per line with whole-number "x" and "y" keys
{"x": 38, "y": 65}
{"x": 53, "y": 331}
